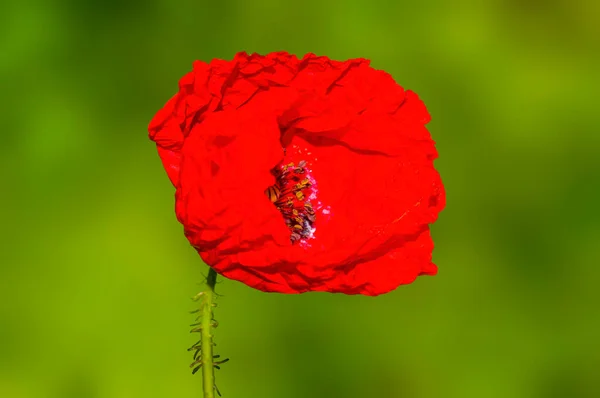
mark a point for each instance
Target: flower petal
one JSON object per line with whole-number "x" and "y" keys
{"x": 225, "y": 168}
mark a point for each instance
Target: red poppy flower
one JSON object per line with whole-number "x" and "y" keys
{"x": 298, "y": 175}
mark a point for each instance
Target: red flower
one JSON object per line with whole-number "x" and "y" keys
{"x": 302, "y": 175}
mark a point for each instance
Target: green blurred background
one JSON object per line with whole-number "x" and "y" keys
{"x": 96, "y": 275}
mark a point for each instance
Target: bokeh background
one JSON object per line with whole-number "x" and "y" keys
{"x": 96, "y": 276}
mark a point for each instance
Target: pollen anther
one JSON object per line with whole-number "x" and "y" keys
{"x": 288, "y": 194}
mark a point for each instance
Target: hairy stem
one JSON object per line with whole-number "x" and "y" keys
{"x": 206, "y": 311}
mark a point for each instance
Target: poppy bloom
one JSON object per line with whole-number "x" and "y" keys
{"x": 297, "y": 175}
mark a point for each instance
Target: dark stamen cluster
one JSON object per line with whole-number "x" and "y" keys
{"x": 291, "y": 194}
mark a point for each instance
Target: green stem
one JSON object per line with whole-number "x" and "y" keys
{"x": 206, "y": 309}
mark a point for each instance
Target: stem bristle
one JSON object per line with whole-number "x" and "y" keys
{"x": 203, "y": 348}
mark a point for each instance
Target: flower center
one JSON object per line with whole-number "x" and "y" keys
{"x": 291, "y": 193}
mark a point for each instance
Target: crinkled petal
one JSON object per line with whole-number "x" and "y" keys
{"x": 225, "y": 168}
